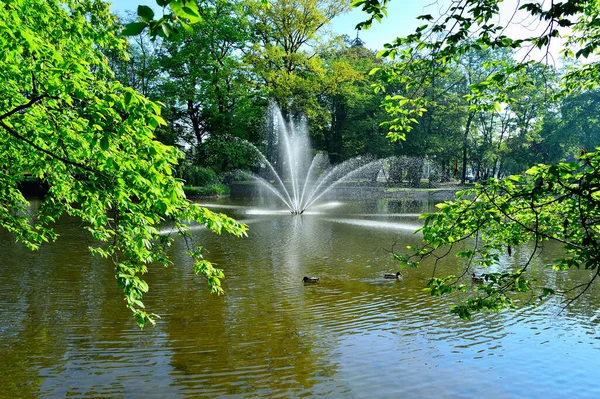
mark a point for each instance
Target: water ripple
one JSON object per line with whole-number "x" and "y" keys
{"x": 66, "y": 333}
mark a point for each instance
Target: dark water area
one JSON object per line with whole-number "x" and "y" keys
{"x": 64, "y": 330}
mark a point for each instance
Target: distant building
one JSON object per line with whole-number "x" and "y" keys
{"x": 357, "y": 42}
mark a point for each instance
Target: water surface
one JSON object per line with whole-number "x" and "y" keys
{"x": 65, "y": 331}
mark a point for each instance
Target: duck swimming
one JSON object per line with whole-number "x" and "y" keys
{"x": 310, "y": 279}
{"x": 477, "y": 279}
{"x": 392, "y": 275}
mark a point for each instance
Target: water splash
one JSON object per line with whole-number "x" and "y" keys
{"x": 302, "y": 181}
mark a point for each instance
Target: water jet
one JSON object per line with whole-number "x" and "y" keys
{"x": 301, "y": 180}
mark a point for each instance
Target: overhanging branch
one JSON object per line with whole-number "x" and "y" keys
{"x": 24, "y": 106}
{"x": 16, "y": 135}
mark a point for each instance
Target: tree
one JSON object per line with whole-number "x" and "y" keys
{"x": 137, "y": 70}
{"x": 286, "y": 54}
{"x": 575, "y": 128}
{"x": 210, "y": 94}
{"x": 65, "y": 121}
{"x": 440, "y": 132}
{"x": 556, "y": 203}
{"x": 352, "y": 127}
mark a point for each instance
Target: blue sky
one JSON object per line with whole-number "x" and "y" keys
{"x": 401, "y": 20}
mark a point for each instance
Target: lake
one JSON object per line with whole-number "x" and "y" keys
{"x": 65, "y": 332}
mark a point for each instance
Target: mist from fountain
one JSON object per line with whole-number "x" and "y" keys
{"x": 304, "y": 180}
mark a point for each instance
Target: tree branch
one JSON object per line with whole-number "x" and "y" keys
{"x": 13, "y": 133}
{"x": 24, "y": 106}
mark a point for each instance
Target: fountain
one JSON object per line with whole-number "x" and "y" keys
{"x": 303, "y": 180}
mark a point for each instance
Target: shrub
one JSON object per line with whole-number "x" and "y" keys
{"x": 206, "y": 191}
{"x": 195, "y": 175}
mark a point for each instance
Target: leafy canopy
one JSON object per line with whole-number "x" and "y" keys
{"x": 65, "y": 121}
{"x": 471, "y": 25}
{"x": 557, "y": 203}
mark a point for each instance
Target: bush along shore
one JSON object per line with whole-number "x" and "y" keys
{"x": 212, "y": 190}
{"x": 201, "y": 182}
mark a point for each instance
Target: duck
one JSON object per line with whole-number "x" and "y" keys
{"x": 392, "y": 275}
{"x": 476, "y": 279}
{"x": 310, "y": 279}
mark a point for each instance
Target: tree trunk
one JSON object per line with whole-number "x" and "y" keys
{"x": 193, "y": 114}
{"x": 334, "y": 141}
{"x": 465, "y": 136}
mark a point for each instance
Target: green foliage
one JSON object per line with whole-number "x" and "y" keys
{"x": 183, "y": 13}
{"x": 354, "y": 111}
{"x": 206, "y": 87}
{"x": 218, "y": 90}
{"x": 466, "y": 27}
{"x": 408, "y": 169}
{"x": 207, "y": 191}
{"x": 568, "y": 128}
{"x": 65, "y": 121}
{"x": 137, "y": 68}
{"x": 375, "y": 8}
{"x": 195, "y": 175}
{"x": 286, "y": 51}
{"x": 557, "y": 203}
{"x": 227, "y": 153}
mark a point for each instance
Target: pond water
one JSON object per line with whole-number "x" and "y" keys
{"x": 64, "y": 330}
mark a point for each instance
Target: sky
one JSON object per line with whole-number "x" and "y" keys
{"x": 401, "y": 20}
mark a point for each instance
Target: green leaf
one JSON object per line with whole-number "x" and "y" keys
{"x": 104, "y": 143}
{"x": 128, "y": 97}
{"x": 145, "y": 13}
{"x": 166, "y": 30}
{"x": 186, "y": 9}
{"x": 187, "y": 28}
{"x": 134, "y": 28}
{"x": 190, "y": 12}
{"x": 374, "y": 71}
{"x": 382, "y": 53}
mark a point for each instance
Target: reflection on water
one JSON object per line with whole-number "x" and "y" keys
{"x": 65, "y": 331}
{"x": 377, "y": 224}
{"x": 389, "y": 215}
